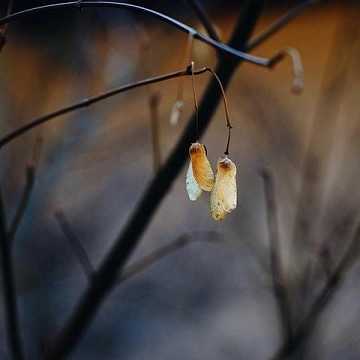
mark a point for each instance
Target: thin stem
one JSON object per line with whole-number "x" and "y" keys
{"x": 278, "y": 278}
{"x": 196, "y": 106}
{"x": 90, "y": 101}
{"x": 204, "y": 18}
{"x": 130, "y": 236}
{"x": 28, "y": 189}
{"x": 9, "y": 290}
{"x": 321, "y": 302}
{"x": 155, "y": 256}
{"x": 162, "y": 17}
{"x": 227, "y": 115}
{"x": 75, "y": 244}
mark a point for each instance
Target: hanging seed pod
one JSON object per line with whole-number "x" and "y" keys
{"x": 223, "y": 198}
{"x": 192, "y": 187}
{"x": 176, "y": 112}
{"x": 201, "y": 167}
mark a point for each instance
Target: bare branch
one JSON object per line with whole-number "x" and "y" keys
{"x": 280, "y": 24}
{"x": 75, "y": 244}
{"x": 9, "y": 290}
{"x": 90, "y": 101}
{"x": 162, "y": 17}
{"x": 154, "y": 101}
{"x": 279, "y": 281}
{"x": 204, "y": 19}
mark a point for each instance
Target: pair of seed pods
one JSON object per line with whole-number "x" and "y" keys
{"x": 200, "y": 177}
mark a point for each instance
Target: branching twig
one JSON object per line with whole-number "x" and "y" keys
{"x": 204, "y": 19}
{"x": 9, "y": 291}
{"x": 75, "y": 244}
{"x": 90, "y": 101}
{"x": 25, "y": 198}
{"x": 331, "y": 286}
{"x": 277, "y": 272}
{"x": 279, "y": 24}
{"x": 162, "y": 17}
{"x": 106, "y": 277}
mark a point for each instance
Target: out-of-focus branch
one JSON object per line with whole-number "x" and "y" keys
{"x": 280, "y": 24}
{"x": 26, "y": 195}
{"x": 9, "y": 290}
{"x": 321, "y": 302}
{"x": 3, "y": 28}
{"x": 154, "y": 101}
{"x": 75, "y": 244}
{"x": 204, "y": 18}
{"x": 278, "y": 277}
{"x": 128, "y": 239}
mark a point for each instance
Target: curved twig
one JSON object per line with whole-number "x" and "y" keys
{"x": 90, "y": 101}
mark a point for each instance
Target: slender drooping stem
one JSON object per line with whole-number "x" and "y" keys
{"x": 9, "y": 290}
{"x": 226, "y": 106}
{"x": 196, "y": 106}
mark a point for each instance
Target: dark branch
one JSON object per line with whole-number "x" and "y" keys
{"x": 24, "y": 202}
{"x": 330, "y": 288}
{"x": 106, "y": 277}
{"x": 9, "y": 290}
{"x": 75, "y": 244}
{"x": 204, "y": 19}
{"x": 278, "y": 278}
{"x": 162, "y": 17}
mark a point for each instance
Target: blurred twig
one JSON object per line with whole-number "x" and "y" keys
{"x": 9, "y": 290}
{"x": 230, "y": 50}
{"x": 204, "y": 18}
{"x": 26, "y": 195}
{"x": 330, "y": 288}
{"x": 75, "y": 244}
{"x": 155, "y": 130}
{"x": 278, "y": 277}
{"x": 280, "y": 24}
{"x": 3, "y": 28}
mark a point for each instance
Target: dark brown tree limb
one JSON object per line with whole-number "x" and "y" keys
{"x": 106, "y": 277}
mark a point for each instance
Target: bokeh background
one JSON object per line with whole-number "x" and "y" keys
{"x": 210, "y": 300}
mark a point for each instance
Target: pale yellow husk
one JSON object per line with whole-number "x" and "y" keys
{"x": 201, "y": 167}
{"x": 223, "y": 198}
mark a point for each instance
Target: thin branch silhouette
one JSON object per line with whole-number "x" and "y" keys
{"x": 9, "y": 290}
{"x": 241, "y": 55}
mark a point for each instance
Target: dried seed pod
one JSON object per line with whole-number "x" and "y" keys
{"x": 176, "y": 112}
{"x": 223, "y": 198}
{"x": 201, "y": 167}
{"x": 192, "y": 187}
